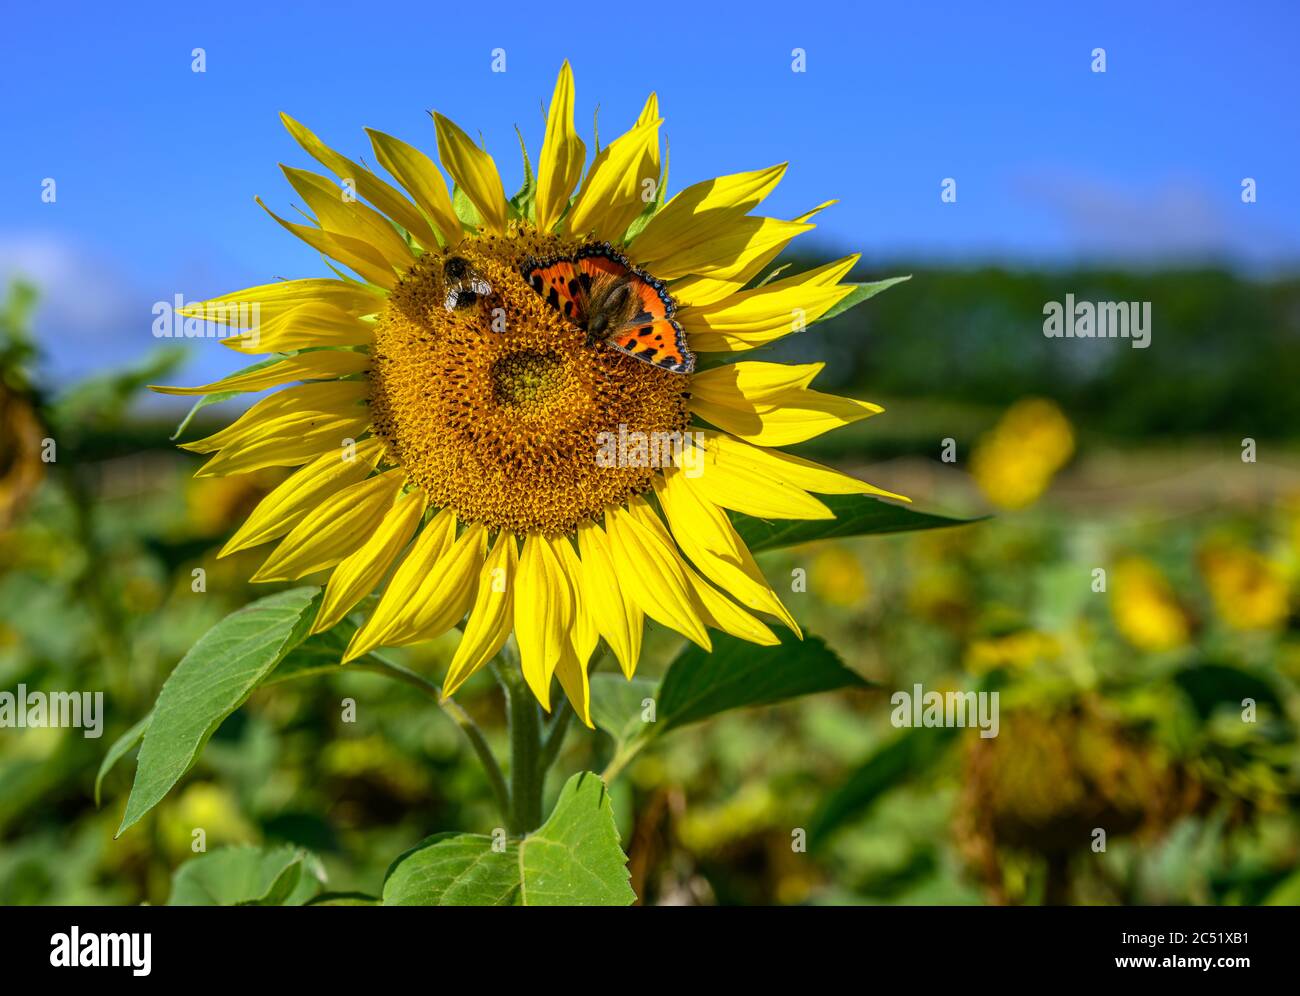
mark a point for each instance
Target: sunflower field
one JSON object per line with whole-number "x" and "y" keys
{"x": 1125, "y": 581}
{"x": 589, "y": 527}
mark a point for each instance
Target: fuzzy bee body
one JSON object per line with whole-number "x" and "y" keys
{"x": 464, "y": 286}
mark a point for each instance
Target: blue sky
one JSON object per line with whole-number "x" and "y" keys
{"x": 156, "y": 166}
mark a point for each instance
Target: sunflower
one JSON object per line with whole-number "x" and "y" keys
{"x": 465, "y": 446}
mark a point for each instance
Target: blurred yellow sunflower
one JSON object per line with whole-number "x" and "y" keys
{"x": 455, "y": 420}
{"x": 1249, "y": 590}
{"x": 1015, "y": 461}
{"x": 1145, "y": 607}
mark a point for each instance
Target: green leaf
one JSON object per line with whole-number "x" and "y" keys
{"x": 738, "y": 674}
{"x": 1285, "y": 893}
{"x": 855, "y": 515}
{"x": 464, "y": 208}
{"x": 318, "y": 654}
{"x": 246, "y": 876}
{"x": 216, "y": 397}
{"x": 121, "y": 747}
{"x": 103, "y": 400}
{"x": 524, "y": 202}
{"x": 1210, "y": 686}
{"x": 617, "y": 704}
{"x": 573, "y": 859}
{"x": 860, "y": 293}
{"x": 775, "y": 272}
{"x": 455, "y": 869}
{"x": 18, "y": 350}
{"x": 212, "y": 681}
{"x": 903, "y": 757}
{"x": 651, "y": 209}
{"x": 344, "y": 899}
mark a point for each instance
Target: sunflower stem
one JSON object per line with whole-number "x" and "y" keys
{"x": 621, "y": 760}
{"x": 391, "y": 669}
{"x": 527, "y": 776}
{"x": 554, "y": 738}
{"x": 559, "y": 726}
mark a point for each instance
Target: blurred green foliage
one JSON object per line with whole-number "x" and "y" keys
{"x": 1224, "y": 356}
{"x": 1121, "y": 709}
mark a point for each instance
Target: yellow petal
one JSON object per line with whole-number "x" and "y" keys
{"x": 764, "y": 314}
{"x": 794, "y": 418}
{"x": 585, "y": 633}
{"x": 268, "y": 302}
{"x": 359, "y": 573}
{"x": 382, "y": 195}
{"x": 295, "y": 442}
{"x": 576, "y": 656}
{"x": 611, "y": 194}
{"x": 434, "y": 540}
{"x": 707, "y": 537}
{"x": 733, "y": 250}
{"x": 290, "y": 427}
{"x": 291, "y": 404}
{"x": 751, "y": 401}
{"x": 422, "y": 179}
{"x": 711, "y": 607}
{"x": 474, "y": 172}
{"x": 334, "y": 529}
{"x": 563, "y": 155}
{"x": 323, "y": 364}
{"x": 703, "y": 212}
{"x": 336, "y": 213}
{"x": 649, "y": 110}
{"x": 305, "y": 326}
{"x": 574, "y": 679}
{"x": 302, "y": 491}
{"x": 748, "y": 489}
{"x": 791, "y": 470}
{"x": 617, "y": 616}
{"x": 491, "y": 618}
{"x": 721, "y": 613}
{"x": 652, "y": 571}
{"x": 352, "y": 253}
{"x": 447, "y": 593}
{"x": 752, "y": 381}
{"x": 696, "y": 291}
{"x": 543, "y": 613}
{"x": 649, "y": 165}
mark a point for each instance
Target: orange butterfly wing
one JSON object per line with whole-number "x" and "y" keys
{"x": 556, "y": 280}
{"x": 650, "y": 335}
{"x": 660, "y": 342}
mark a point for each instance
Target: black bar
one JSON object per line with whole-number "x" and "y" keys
{"x": 364, "y": 945}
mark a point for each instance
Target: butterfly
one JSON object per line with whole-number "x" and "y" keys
{"x": 614, "y": 301}
{"x": 463, "y": 284}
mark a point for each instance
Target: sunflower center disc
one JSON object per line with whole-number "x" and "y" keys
{"x": 530, "y": 381}
{"x": 497, "y": 408}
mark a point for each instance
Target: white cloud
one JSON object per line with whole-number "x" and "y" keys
{"x": 89, "y": 317}
{"x": 1179, "y": 222}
